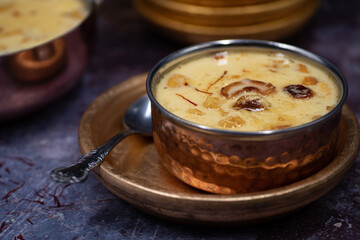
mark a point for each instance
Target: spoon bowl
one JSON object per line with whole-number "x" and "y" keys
{"x": 137, "y": 120}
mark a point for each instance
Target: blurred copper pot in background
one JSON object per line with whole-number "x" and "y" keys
{"x": 32, "y": 77}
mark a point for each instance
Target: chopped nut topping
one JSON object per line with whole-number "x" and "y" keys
{"x": 252, "y": 103}
{"x": 231, "y": 122}
{"x": 316, "y": 117}
{"x": 194, "y": 111}
{"x": 308, "y": 80}
{"x": 282, "y": 63}
{"x": 247, "y": 85}
{"x": 299, "y": 91}
{"x": 220, "y": 55}
{"x": 213, "y": 103}
{"x": 329, "y": 108}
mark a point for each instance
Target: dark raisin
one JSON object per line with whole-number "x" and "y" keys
{"x": 299, "y": 91}
{"x": 252, "y": 103}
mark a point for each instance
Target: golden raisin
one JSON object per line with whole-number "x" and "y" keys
{"x": 25, "y": 39}
{"x": 325, "y": 88}
{"x": 176, "y": 80}
{"x": 74, "y": 14}
{"x": 5, "y": 6}
{"x": 303, "y": 68}
{"x": 231, "y": 122}
{"x": 16, "y": 14}
{"x": 308, "y": 80}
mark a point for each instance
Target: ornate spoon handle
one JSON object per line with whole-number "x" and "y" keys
{"x": 79, "y": 171}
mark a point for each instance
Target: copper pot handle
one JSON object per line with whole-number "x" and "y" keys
{"x": 39, "y": 63}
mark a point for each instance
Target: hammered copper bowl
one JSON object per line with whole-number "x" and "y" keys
{"x": 227, "y": 162}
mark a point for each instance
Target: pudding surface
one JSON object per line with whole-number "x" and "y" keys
{"x": 248, "y": 90}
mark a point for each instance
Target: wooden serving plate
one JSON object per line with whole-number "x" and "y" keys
{"x": 132, "y": 170}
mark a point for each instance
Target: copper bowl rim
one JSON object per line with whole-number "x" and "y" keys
{"x": 223, "y": 44}
{"x": 91, "y": 4}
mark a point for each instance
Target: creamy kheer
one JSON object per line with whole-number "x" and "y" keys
{"x": 27, "y": 23}
{"x": 248, "y": 90}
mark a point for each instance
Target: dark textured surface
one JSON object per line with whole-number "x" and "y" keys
{"x": 30, "y": 147}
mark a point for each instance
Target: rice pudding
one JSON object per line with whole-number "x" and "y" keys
{"x": 248, "y": 90}
{"x": 25, "y": 24}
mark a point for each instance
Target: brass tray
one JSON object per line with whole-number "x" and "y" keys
{"x": 226, "y": 16}
{"x": 132, "y": 170}
{"x": 194, "y": 33}
{"x": 222, "y": 3}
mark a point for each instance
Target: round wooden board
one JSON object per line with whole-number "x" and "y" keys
{"x": 132, "y": 170}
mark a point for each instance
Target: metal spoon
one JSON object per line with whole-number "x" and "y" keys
{"x": 137, "y": 119}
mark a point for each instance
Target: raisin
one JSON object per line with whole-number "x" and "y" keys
{"x": 303, "y": 68}
{"x": 254, "y": 103}
{"x": 308, "y": 80}
{"x": 177, "y": 80}
{"x": 299, "y": 91}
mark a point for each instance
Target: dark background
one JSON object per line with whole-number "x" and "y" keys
{"x": 33, "y": 145}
